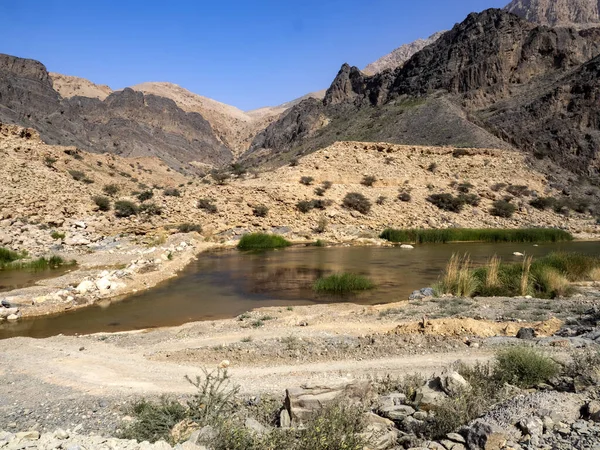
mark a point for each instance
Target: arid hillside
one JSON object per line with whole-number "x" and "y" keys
{"x": 553, "y": 13}
{"x": 52, "y": 186}
{"x": 68, "y": 86}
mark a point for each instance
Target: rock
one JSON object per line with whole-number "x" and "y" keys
{"x": 28, "y": 435}
{"x": 396, "y": 412}
{"x": 420, "y": 415}
{"x": 183, "y": 430}
{"x": 421, "y": 294}
{"x": 13, "y": 317}
{"x": 395, "y": 398}
{"x": 255, "y": 426}
{"x": 5, "y": 312}
{"x": 593, "y": 410}
{"x": 430, "y": 395}
{"x": 412, "y": 425}
{"x": 526, "y": 333}
{"x": 5, "y": 239}
{"x": 453, "y": 383}
{"x": 456, "y": 438}
{"x": 532, "y": 426}
{"x": 103, "y": 284}
{"x": 284, "y": 419}
{"x": 5, "y": 303}
{"x": 383, "y": 441}
{"x": 548, "y": 424}
{"x": 482, "y": 436}
{"x": 80, "y": 224}
{"x": 85, "y": 286}
{"x": 407, "y": 247}
{"x": 377, "y": 422}
{"x": 518, "y": 254}
{"x": 302, "y": 402}
{"x": 161, "y": 445}
{"x": 76, "y": 239}
{"x": 61, "y": 434}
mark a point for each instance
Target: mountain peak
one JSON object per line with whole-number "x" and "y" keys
{"x": 558, "y": 13}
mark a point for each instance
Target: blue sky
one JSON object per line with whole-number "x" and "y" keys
{"x": 246, "y": 53}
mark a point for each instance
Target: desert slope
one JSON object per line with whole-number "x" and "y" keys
{"x": 68, "y": 86}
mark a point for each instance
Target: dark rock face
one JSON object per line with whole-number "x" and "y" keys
{"x": 128, "y": 123}
{"x": 530, "y": 86}
{"x": 575, "y": 13}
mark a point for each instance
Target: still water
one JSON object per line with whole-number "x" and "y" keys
{"x": 226, "y": 284}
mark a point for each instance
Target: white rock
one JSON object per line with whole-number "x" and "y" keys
{"x": 406, "y": 246}
{"x": 103, "y": 284}
{"x": 12, "y": 317}
{"x": 85, "y": 286}
{"x": 517, "y": 253}
{"x": 80, "y": 224}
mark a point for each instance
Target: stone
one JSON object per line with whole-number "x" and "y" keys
{"x": 383, "y": 441}
{"x": 430, "y": 395}
{"x": 5, "y": 312}
{"x": 284, "y": 419}
{"x": 456, "y": 438}
{"x": 593, "y": 410}
{"x": 482, "y": 436}
{"x": 103, "y": 284}
{"x": 548, "y": 424}
{"x": 420, "y": 415}
{"x": 374, "y": 421}
{"x": 76, "y": 239}
{"x": 395, "y": 398}
{"x": 13, "y": 317}
{"x": 80, "y": 224}
{"x": 28, "y": 435}
{"x": 61, "y": 434}
{"x": 183, "y": 430}
{"x": 453, "y": 383}
{"x": 407, "y": 246}
{"x": 526, "y": 333}
{"x": 303, "y": 401}
{"x": 532, "y": 426}
{"x": 396, "y": 412}
{"x": 255, "y": 426}
{"x": 85, "y": 286}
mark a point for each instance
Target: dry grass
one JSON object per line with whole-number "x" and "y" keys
{"x": 524, "y": 285}
{"x": 554, "y": 282}
{"x": 491, "y": 276}
{"x": 594, "y": 274}
{"x": 458, "y": 277}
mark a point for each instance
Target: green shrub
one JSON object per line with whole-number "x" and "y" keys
{"x": 8, "y": 256}
{"x": 214, "y": 397}
{"x": 304, "y": 206}
{"x": 543, "y": 203}
{"x": 404, "y": 196}
{"x": 145, "y": 195}
{"x": 432, "y": 167}
{"x": 56, "y": 235}
{"x": 238, "y": 169}
{"x": 262, "y": 241}
{"x": 322, "y": 224}
{"x": 368, "y": 180}
{"x": 111, "y": 189}
{"x": 502, "y": 208}
{"x": 154, "y": 421}
{"x": 172, "y": 192}
{"x": 125, "y": 208}
{"x": 469, "y": 199}
{"x": 335, "y": 427}
{"x": 220, "y": 177}
{"x": 189, "y": 228}
{"x": 326, "y": 185}
{"x": 446, "y": 202}
{"x": 357, "y": 202}
{"x": 77, "y": 175}
{"x": 343, "y": 283}
{"x": 524, "y": 367}
{"x": 464, "y": 187}
{"x": 457, "y": 153}
{"x": 320, "y": 191}
{"x": 498, "y": 187}
{"x": 206, "y": 204}
{"x": 260, "y": 210}
{"x": 307, "y": 181}
{"x": 49, "y": 161}
{"x": 103, "y": 203}
{"x": 150, "y": 209}
{"x": 519, "y": 190}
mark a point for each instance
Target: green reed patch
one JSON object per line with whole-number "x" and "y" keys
{"x": 262, "y": 241}
{"x": 343, "y": 283}
{"x": 439, "y": 236}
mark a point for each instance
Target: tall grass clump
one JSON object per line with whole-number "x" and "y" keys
{"x": 524, "y": 367}
{"x": 343, "y": 284}
{"x": 437, "y": 236}
{"x": 8, "y": 256}
{"x": 262, "y": 241}
{"x": 492, "y": 280}
{"x": 154, "y": 420}
{"x": 458, "y": 277}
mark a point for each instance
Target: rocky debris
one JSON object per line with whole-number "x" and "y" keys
{"x": 558, "y": 13}
{"x": 422, "y": 294}
{"x": 526, "y": 333}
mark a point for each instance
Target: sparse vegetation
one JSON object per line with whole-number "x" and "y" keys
{"x": 357, "y": 202}
{"x": 125, "y": 208}
{"x": 503, "y": 208}
{"x": 145, "y": 195}
{"x": 464, "y": 187}
{"x": 322, "y": 224}
{"x": 524, "y": 367}
{"x": 103, "y": 203}
{"x": 446, "y": 202}
{"x": 111, "y": 189}
{"x": 432, "y": 167}
{"x": 189, "y": 228}
{"x": 459, "y": 152}
{"x": 518, "y": 190}
{"x": 220, "y": 177}
{"x": 306, "y": 181}
{"x": 422, "y": 236}
{"x": 172, "y": 192}
{"x": 238, "y": 169}
{"x": 404, "y": 196}
{"x": 368, "y": 180}
{"x": 77, "y": 175}
{"x": 57, "y": 236}
{"x": 262, "y": 241}
{"x": 154, "y": 420}
{"x": 260, "y": 210}
{"x": 207, "y": 204}
{"x": 343, "y": 284}
{"x": 150, "y": 209}
{"x": 8, "y": 256}
{"x": 49, "y": 161}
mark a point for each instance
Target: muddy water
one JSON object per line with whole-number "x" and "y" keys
{"x": 17, "y": 279}
{"x": 226, "y": 284}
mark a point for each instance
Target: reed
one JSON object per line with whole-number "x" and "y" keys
{"x": 262, "y": 241}
{"x": 343, "y": 283}
{"x": 442, "y": 236}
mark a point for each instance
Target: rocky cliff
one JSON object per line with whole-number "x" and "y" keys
{"x": 571, "y": 13}
{"x": 127, "y": 123}
{"x": 456, "y": 85}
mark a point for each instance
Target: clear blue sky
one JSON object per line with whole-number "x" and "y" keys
{"x": 246, "y": 53}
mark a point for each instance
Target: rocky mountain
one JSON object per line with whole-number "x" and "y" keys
{"x": 558, "y": 13}
{"x": 68, "y": 86}
{"x": 126, "y": 122}
{"x": 399, "y": 56}
{"x": 462, "y": 90}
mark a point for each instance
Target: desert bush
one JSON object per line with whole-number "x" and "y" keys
{"x": 343, "y": 283}
{"x": 150, "y": 209}
{"x": 56, "y": 235}
{"x": 502, "y": 208}
{"x": 464, "y": 187}
{"x": 518, "y": 190}
{"x": 542, "y": 203}
{"x": 189, "y": 228}
{"x": 404, "y": 196}
{"x": 469, "y": 199}
{"x": 154, "y": 421}
{"x": 49, "y": 161}
{"x": 524, "y": 367}
{"x": 322, "y": 225}
{"x": 220, "y": 177}
{"x": 585, "y": 366}
{"x": 214, "y": 396}
{"x": 262, "y": 241}
{"x": 125, "y": 208}
{"x": 446, "y": 202}
{"x": 238, "y": 169}
{"x": 381, "y": 200}
{"x": 432, "y": 167}
{"x": 357, "y": 202}
{"x": 320, "y": 191}
{"x": 145, "y": 195}
{"x": 260, "y": 210}
{"x": 368, "y": 180}
{"x": 206, "y": 204}
{"x": 307, "y": 181}
{"x": 77, "y": 175}
{"x": 111, "y": 189}
{"x": 459, "y": 152}
{"x": 337, "y": 426}
{"x": 498, "y": 187}
{"x": 294, "y": 162}
{"x": 326, "y": 185}
{"x": 103, "y": 203}
{"x": 304, "y": 206}
{"x": 172, "y": 192}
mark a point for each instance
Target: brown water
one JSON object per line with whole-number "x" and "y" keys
{"x": 226, "y": 284}
{"x": 17, "y": 279}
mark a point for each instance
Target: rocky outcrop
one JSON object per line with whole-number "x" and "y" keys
{"x": 125, "y": 123}
{"x": 69, "y": 86}
{"x": 571, "y": 13}
{"x": 400, "y": 55}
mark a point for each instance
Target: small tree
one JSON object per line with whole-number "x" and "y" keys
{"x": 307, "y": 181}
{"x": 368, "y": 180}
{"x": 125, "y": 208}
{"x": 260, "y": 210}
{"x": 110, "y": 189}
{"x": 146, "y": 195}
{"x": 103, "y": 203}
{"x": 207, "y": 205}
{"x": 357, "y": 202}
{"x": 502, "y": 208}
{"x": 220, "y": 178}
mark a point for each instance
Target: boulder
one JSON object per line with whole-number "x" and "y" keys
{"x": 533, "y": 426}
{"x": 430, "y": 395}
{"x": 593, "y": 410}
{"x": 85, "y": 286}
{"x": 453, "y": 383}
{"x": 483, "y": 436}
{"x": 255, "y": 426}
{"x": 303, "y": 402}
{"x": 28, "y": 435}
{"x": 13, "y": 317}
{"x": 5, "y": 312}
{"x": 76, "y": 239}
{"x": 526, "y": 333}
{"x": 284, "y": 419}
{"x": 396, "y": 412}
{"x": 103, "y": 284}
